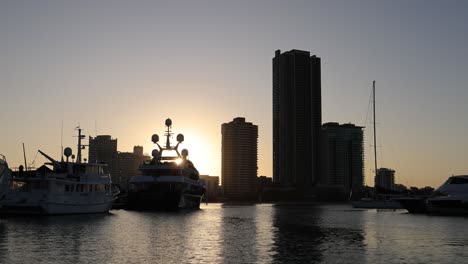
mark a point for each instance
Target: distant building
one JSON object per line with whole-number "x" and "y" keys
{"x": 400, "y": 188}
{"x": 263, "y": 183}
{"x": 127, "y": 165}
{"x": 343, "y": 156}
{"x": 213, "y": 190}
{"x": 103, "y": 149}
{"x": 385, "y": 179}
{"x": 239, "y": 159}
{"x": 297, "y": 119}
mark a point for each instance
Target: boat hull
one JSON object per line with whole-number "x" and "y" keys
{"x": 48, "y": 204}
{"x": 447, "y": 207}
{"x": 414, "y": 205}
{"x": 55, "y": 208}
{"x": 377, "y": 205}
{"x": 166, "y": 194}
{"x": 163, "y": 201}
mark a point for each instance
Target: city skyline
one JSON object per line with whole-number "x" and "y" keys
{"x": 122, "y": 69}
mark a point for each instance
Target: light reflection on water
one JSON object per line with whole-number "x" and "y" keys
{"x": 236, "y": 234}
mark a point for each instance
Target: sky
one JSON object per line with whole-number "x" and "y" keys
{"x": 122, "y": 67}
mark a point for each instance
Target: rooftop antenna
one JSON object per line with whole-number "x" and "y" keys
{"x": 95, "y": 127}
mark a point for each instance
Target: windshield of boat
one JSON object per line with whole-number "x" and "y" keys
{"x": 457, "y": 181}
{"x": 169, "y": 155}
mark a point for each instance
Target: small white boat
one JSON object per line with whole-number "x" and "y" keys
{"x": 66, "y": 188}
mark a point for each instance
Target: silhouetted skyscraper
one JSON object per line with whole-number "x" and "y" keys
{"x": 239, "y": 159}
{"x": 103, "y": 149}
{"x": 127, "y": 165}
{"x": 385, "y": 179}
{"x": 297, "y": 119}
{"x": 343, "y": 156}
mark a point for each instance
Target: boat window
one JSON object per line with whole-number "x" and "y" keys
{"x": 458, "y": 181}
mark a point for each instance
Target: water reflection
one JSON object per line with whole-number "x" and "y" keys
{"x": 239, "y": 234}
{"x": 296, "y": 234}
{"x": 236, "y": 234}
{"x": 310, "y": 234}
{"x": 28, "y": 239}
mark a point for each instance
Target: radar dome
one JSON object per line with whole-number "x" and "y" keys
{"x": 168, "y": 122}
{"x": 155, "y": 138}
{"x": 180, "y": 138}
{"x": 67, "y": 152}
{"x": 184, "y": 153}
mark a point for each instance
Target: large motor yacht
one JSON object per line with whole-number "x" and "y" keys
{"x": 167, "y": 182}
{"x": 66, "y": 188}
{"x": 451, "y": 198}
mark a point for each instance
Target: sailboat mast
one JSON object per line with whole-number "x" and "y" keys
{"x": 25, "y": 163}
{"x": 375, "y": 133}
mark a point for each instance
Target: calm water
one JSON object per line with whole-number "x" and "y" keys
{"x": 237, "y": 234}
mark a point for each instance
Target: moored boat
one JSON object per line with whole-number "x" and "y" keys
{"x": 451, "y": 198}
{"x": 66, "y": 188}
{"x": 167, "y": 182}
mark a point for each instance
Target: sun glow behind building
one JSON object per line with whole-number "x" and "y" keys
{"x": 131, "y": 65}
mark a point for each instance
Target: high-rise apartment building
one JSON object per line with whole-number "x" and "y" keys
{"x": 127, "y": 165}
{"x": 103, "y": 149}
{"x": 343, "y": 156}
{"x": 297, "y": 119}
{"x": 239, "y": 159}
{"x": 212, "y": 187}
{"x": 385, "y": 179}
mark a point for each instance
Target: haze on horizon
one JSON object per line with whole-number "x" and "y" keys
{"x": 122, "y": 67}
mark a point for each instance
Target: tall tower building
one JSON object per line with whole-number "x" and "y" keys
{"x": 239, "y": 159}
{"x": 385, "y": 179}
{"x": 103, "y": 149}
{"x": 297, "y": 119}
{"x": 343, "y": 156}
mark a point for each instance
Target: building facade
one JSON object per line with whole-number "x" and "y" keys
{"x": 297, "y": 119}
{"x": 120, "y": 165}
{"x": 212, "y": 187}
{"x": 239, "y": 159}
{"x": 103, "y": 149}
{"x": 127, "y": 165}
{"x": 343, "y": 157}
{"x": 385, "y": 179}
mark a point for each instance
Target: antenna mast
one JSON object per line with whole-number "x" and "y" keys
{"x": 80, "y": 146}
{"x": 61, "y": 142}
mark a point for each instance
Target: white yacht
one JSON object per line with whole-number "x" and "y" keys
{"x": 167, "y": 182}
{"x": 66, "y": 188}
{"x": 451, "y": 198}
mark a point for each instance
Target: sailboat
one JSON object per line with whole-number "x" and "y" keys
{"x": 374, "y": 203}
